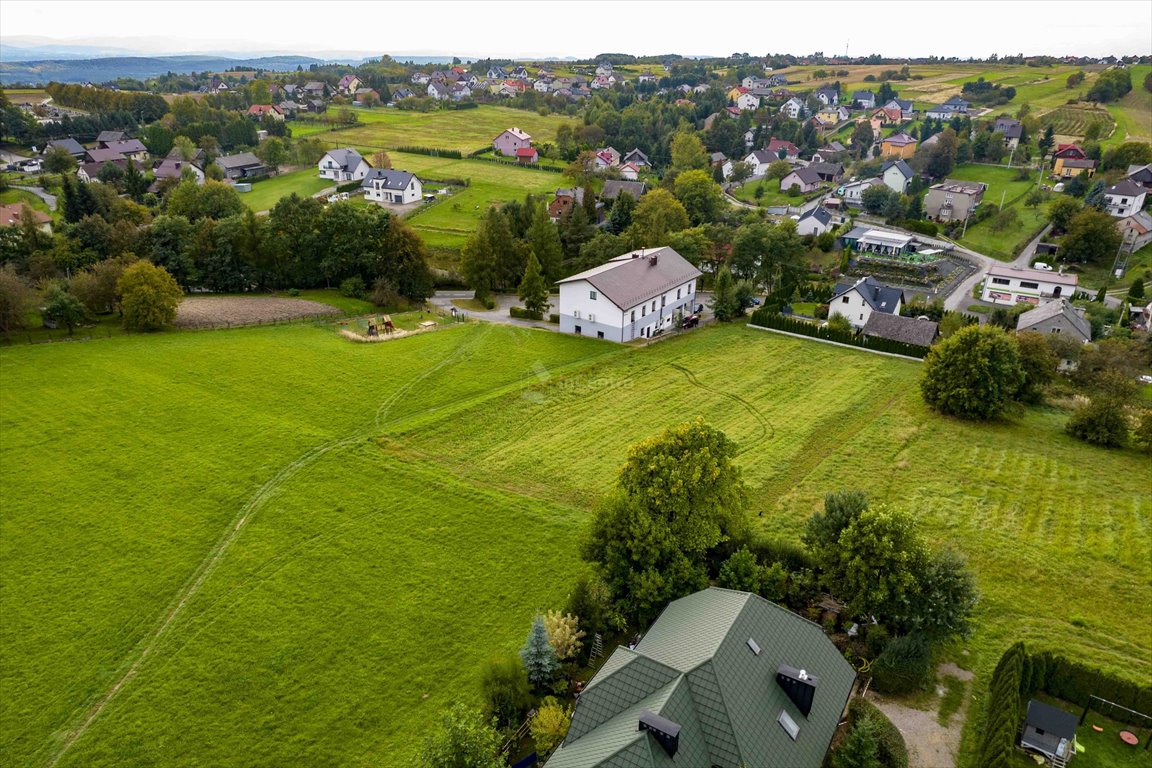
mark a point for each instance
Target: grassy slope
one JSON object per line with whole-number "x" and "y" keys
{"x": 383, "y": 572}
{"x": 1133, "y": 113}
{"x": 466, "y": 130}
{"x": 265, "y": 194}
{"x": 19, "y": 196}
{"x": 1002, "y": 184}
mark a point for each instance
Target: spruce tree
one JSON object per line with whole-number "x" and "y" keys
{"x": 533, "y": 290}
{"x": 544, "y": 240}
{"x": 538, "y": 655}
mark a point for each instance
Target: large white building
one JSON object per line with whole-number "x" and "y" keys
{"x": 1017, "y": 285}
{"x": 387, "y": 186}
{"x": 343, "y": 165}
{"x": 632, "y": 296}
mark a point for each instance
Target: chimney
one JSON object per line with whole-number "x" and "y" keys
{"x": 652, "y": 260}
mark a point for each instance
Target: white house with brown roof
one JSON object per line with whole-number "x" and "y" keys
{"x": 634, "y": 295}
{"x": 1016, "y": 285}
{"x": 511, "y": 140}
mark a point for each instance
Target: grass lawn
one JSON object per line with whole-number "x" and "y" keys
{"x": 466, "y": 130}
{"x": 266, "y": 193}
{"x": 1096, "y": 275}
{"x": 1102, "y": 749}
{"x": 1133, "y": 113}
{"x": 408, "y": 507}
{"x": 1003, "y": 184}
{"x": 772, "y": 196}
{"x": 19, "y": 196}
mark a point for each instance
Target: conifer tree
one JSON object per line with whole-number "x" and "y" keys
{"x": 538, "y": 655}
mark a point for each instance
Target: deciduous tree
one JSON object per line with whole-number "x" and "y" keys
{"x": 464, "y": 740}
{"x": 16, "y": 300}
{"x": 149, "y": 296}
{"x": 974, "y": 374}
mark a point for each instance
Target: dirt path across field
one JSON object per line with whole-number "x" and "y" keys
{"x": 215, "y": 311}
{"x": 930, "y": 745}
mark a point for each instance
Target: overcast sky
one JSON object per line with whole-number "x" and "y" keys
{"x": 541, "y": 28}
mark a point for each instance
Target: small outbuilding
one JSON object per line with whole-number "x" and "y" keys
{"x": 1049, "y": 731}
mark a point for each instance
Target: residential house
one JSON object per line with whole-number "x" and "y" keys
{"x": 104, "y": 155}
{"x": 315, "y": 89}
{"x": 1058, "y": 316}
{"x": 291, "y": 90}
{"x": 897, "y": 175}
{"x": 89, "y": 172}
{"x": 343, "y": 165}
{"x": 953, "y": 200}
{"x": 747, "y": 101}
{"x": 563, "y": 201}
{"x": 69, "y": 145}
{"x": 1071, "y": 168}
{"x": 759, "y": 160}
{"x": 910, "y": 330}
{"x": 1124, "y": 199}
{"x": 244, "y": 165}
{"x": 175, "y": 168}
{"x": 858, "y": 300}
{"x": 420, "y": 78}
{"x": 1140, "y": 174}
{"x": 317, "y": 106}
{"x": 1010, "y": 129}
{"x": 827, "y": 171}
{"x": 260, "y": 111}
{"x": 1049, "y": 732}
{"x": 907, "y": 111}
{"x": 527, "y": 156}
{"x": 886, "y": 116}
{"x": 775, "y": 145}
{"x": 939, "y": 112}
{"x": 511, "y": 140}
{"x": 1015, "y": 285}
{"x": 637, "y": 158}
{"x": 829, "y": 97}
{"x": 104, "y": 138}
{"x": 613, "y": 188}
{"x": 1136, "y": 230}
{"x": 197, "y": 157}
{"x": 647, "y": 77}
{"x": 864, "y": 100}
{"x": 542, "y": 85}
{"x": 635, "y": 295}
{"x": 291, "y": 108}
{"x": 348, "y": 85}
{"x": 852, "y": 193}
{"x": 832, "y": 152}
{"x": 438, "y": 90}
{"x": 830, "y": 117}
{"x": 362, "y": 95}
{"x": 518, "y": 73}
{"x": 401, "y": 93}
{"x": 459, "y": 91}
{"x": 610, "y": 154}
{"x": 898, "y": 146}
{"x": 806, "y": 179}
{"x": 496, "y": 73}
{"x": 723, "y": 678}
{"x": 749, "y": 138}
{"x": 604, "y": 68}
{"x": 815, "y": 221}
{"x": 1069, "y": 152}
{"x": 13, "y": 216}
{"x": 794, "y": 108}
{"x": 878, "y": 243}
{"x": 631, "y": 172}
{"x": 388, "y": 186}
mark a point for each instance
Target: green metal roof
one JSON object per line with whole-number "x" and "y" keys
{"x": 695, "y": 668}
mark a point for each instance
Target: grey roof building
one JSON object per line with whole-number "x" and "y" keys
{"x": 241, "y": 166}
{"x": 909, "y": 330}
{"x": 881, "y": 298}
{"x": 69, "y": 145}
{"x": 1056, "y": 317}
{"x": 723, "y": 678}
{"x": 614, "y": 187}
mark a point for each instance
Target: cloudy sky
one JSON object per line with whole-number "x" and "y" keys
{"x": 542, "y": 28}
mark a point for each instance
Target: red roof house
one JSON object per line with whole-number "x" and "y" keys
{"x": 527, "y": 155}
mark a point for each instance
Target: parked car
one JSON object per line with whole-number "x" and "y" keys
{"x": 690, "y": 322}
{"x": 755, "y": 301}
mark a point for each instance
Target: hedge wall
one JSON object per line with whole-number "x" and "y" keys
{"x": 893, "y": 750}
{"x": 766, "y": 318}
{"x": 453, "y": 153}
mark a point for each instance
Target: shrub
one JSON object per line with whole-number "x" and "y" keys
{"x": 564, "y": 634}
{"x": 550, "y": 725}
{"x": 1100, "y": 421}
{"x": 504, "y": 689}
{"x": 860, "y": 747}
{"x": 876, "y": 639}
{"x": 554, "y": 318}
{"x": 973, "y": 374}
{"x": 904, "y": 666}
{"x": 521, "y": 313}
{"x": 893, "y": 752}
{"x": 384, "y": 293}
{"x": 353, "y": 287}
{"x": 293, "y": 292}
{"x": 1142, "y": 436}
{"x": 591, "y": 603}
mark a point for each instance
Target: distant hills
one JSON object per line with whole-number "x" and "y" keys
{"x": 99, "y": 70}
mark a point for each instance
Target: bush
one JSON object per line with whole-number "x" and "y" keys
{"x": 384, "y": 294}
{"x": 904, "y": 666}
{"x": 353, "y": 287}
{"x": 149, "y": 296}
{"x": 893, "y": 752}
{"x": 550, "y": 725}
{"x": 1100, "y": 421}
{"x": 876, "y": 639}
{"x": 766, "y": 318}
{"x": 504, "y": 689}
{"x": 973, "y": 374}
{"x": 521, "y": 313}
{"x": 293, "y": 292}
{"x": 554, "y": 318}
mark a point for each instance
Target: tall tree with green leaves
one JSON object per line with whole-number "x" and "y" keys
{"x": 60, "y": 306}
{"x": 725, "y": 305}
{"x": 533, "y": 290}
{"x": 973, "y": 374}
{"x": 620, "y": 218}
{"x": 688, "y": 153}
{"x": 700, "y": 195}
{"x": 149, "y": 296}
{"x": 1091, "y": 237}
{"x": 658, "y": 215}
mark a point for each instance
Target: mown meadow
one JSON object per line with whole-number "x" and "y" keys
{"x": 302, "y": 548}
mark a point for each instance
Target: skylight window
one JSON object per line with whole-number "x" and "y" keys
{"x": 789, "y": 724}
{"x": 755, "y": 648}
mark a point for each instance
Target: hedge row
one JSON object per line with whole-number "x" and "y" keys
{"x": 453, "y": 153}
{"x": 768, "y": 319}
{"x": 893, "y": 750}
{"x": 349, "y": 187}
{"x": 521, "y": 313}
{"x": 1020, "y": 675}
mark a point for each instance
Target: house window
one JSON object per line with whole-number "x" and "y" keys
{"x": 599, "y": 334}
{"x": 1000, "y": 281}
{"x": 577, "y": 330}
{"x": 678, "y": 294}
{"x": 1055, "y": 330}
{"x": 633, "y": 315}
{"x": 844, "y": 300}
{"x": 592, "y": 295}
{"x": 1032, "y": 286}
{"x": 861, "y": 315}
{"x": 661, "y": 302}
{"x": 788, "y": 724}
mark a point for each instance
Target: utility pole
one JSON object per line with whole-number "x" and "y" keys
{"x": 1002, "y": 195}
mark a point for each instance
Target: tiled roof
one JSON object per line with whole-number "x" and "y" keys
{"x": 909, "y": 330}
{"x": 635, "y": 277}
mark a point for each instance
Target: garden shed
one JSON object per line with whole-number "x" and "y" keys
{"x": 1049, "y": 731}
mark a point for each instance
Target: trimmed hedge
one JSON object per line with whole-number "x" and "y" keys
{"x": 431, "y": 152}
{"x": 521, "y": 313}
{"x": 893, "y": 750}
{"x": 554, "y": 318}
{"x": 349, "y": 187}
{"x": 904, "y": 666}
{"x": 766, "y": 318}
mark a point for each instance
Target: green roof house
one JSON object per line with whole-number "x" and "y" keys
{"x": 723, "y": 678}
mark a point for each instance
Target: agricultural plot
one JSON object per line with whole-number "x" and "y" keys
{"x": 408, "y": 506}
{"x": 465, "y": 130}
{"x": 1073, "y": 123}
{"x": 1133, "y": 113}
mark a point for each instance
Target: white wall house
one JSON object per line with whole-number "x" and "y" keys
{"x": 343, "y": 165}
{"x": 852, "y": 193}
{"x": 387, "y": 186}
{"x": 794, "y": 108}
{"x": 857, "y": 301}
{"x": 1017, "y": 285}
{"x": 633, "y": 296}
{"x": 747, "y": 101}
{"x": 1124, "y": 199}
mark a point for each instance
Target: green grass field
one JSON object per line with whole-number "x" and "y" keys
{"x": 1133, "y": 113}
{"x": 265, "y": 194}
{"x": 351, "y": 529}
{"x": 465, "y": 130}
{"x": 772, "y": 195}
{"x": 20, "y": 197}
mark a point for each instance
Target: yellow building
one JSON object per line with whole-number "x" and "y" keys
{"x": 898, "y": 147}
{"x": 1070, "y": 167}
